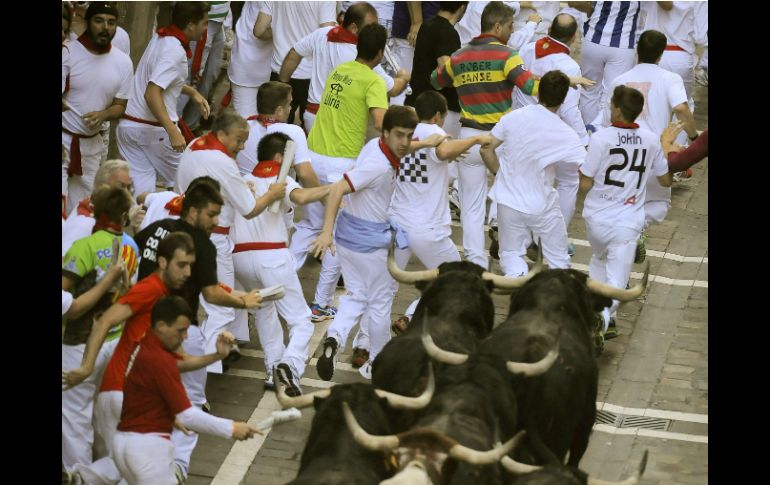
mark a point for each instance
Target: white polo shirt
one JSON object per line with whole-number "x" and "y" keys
{"x": 155, "y": 203}
{"x": 164, "y": 63}
{"x": 533, "y": 140}
{"x": 420, "y": 198}
{"x": 247, "y": 158}
{"x": 114, "y": 72}
{"x": 621, "y": 161}
{"x": 248, "y": 51}
{"x": 373, "y": 180}
{"x": 266, "y": 227}
{"x": 325, "y": 56}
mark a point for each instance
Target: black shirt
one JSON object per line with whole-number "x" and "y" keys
{"x": 437, "y": 37}
{"x": 204, "y": 270}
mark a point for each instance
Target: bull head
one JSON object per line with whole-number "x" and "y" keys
{"x": 517, "y": 468}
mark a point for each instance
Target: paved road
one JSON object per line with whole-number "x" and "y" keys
{"x": 653, "y": 388}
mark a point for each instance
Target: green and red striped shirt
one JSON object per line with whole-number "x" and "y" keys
{"x": 484, "y": 73}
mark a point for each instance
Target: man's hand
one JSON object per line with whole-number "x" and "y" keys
{"x": 276, "y": 191}
{"x": 74, "y": 377}
{"x": 242, "y": 431}
{"x": 225, "y": 341}
{"x": 671, "y": 132}
{"x": 182, "y": 428}
{"x": 253, "y": 299}
{"x": 403, "y": 74}
{"x": 319, "y": 246}
{"x": 251, "y": 187}
{"x": 411, "y": 37}
{"x": 95, "y": 118}
{"x": 136, "y": 216}
{"x": 203, "y": 104}
{"x": 581, "y": 81}
{"x": 177, "y": 140}
{"x": 534, "y": 17}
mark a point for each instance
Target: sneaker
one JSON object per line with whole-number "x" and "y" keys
{"x": 702, "y": 77}
{"x": 360, "y": 356}
{"x": 454, "y": 200}
{"x": 494, "y": 246}
{"x": 269, "y": 382}
{"x": 532, "y": 251}
{"x": 599, "y": 335}
{"x": 366, "y": 370}
{"x": 321, "y": 313}
{"x": 612, "y": 330}
{"x": 180, "y": 478}
{"x": 570, "y": 249}
{"x": 641, "y": 251}
{"x": 328, "y": 360}
{"x": 679, "y": 176}
{"x": 71, "y": 478}
{"x": 206, "y": 407}
{"x": 398, "y": 327}
{"x": 287, "y": 378}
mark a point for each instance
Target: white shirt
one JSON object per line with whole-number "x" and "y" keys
{"x": 220, "y": 167}
{"x": 156, "y": 207}
{"x": 114, "y": 71}
{"x": 621, "y": 161}
{"x": 420, "y": 198}
{"x": 122, "y": 41}
{"x": 384, "y": 9}
{"x": 291, "y": 21}
{"x": 77, "y": 226}
{"x": 678, "y": 24}
{"x": 373, "y": 181}
{"x": 470, "y": 25}
{"x": 164, "y": 63}
{"x": 266, "y": 227}
{"x": 247, "y": 158}
{"x": 248, "y": 51}
{"x": 546, "y": 10}
{"x": 662, "y": 90}
{"x": 325, "y": 57}
{"x": 569, "y": 111}
{"x": 533, "y": 140}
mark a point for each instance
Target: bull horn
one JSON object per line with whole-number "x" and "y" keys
{"x": 604, "y": 289}
{"x": 516, "y": 467}
{"x": 398, "y": 401}
{"x": 633, "y": 480}
{"x": 437, "y": 353}
{"x": 299, "y": 402}
{"x": 507, "y": 283}
{"x": 474, "y": 457}
{"x": 534, "y": 368}
{"x": 411, "y": 277}
{"x": 369, "y": 441}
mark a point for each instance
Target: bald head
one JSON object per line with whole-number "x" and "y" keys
{"x": 563, "y": 28}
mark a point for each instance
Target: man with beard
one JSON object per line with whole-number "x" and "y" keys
{"x": 90, "y": 58}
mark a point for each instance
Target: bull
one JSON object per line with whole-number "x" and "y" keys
{"x": 562, "y": 475}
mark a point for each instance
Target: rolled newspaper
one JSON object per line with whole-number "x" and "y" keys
{"x": 279, "y": 417}
{"x": 288, "y": 159}
{"x": 393, "y": 63}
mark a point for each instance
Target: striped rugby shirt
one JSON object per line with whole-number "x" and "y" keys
{"x": 484, "y": 73}
{"x": 613, "y": 24}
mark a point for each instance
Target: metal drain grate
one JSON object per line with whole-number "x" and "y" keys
{"x": 644, "y": 422}
{"x": 606, "y": 417}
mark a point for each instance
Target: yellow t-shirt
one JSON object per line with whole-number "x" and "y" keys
{"x": 339, "y": 129}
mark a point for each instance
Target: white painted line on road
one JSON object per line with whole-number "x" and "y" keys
{"x": 653, "y": 413}
{"x": 650, "y": 433}
{"x": 654, "y": 278}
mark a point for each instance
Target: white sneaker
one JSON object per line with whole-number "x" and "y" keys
{"x": 179, "y": 475}
{"x": 366, "y": 370}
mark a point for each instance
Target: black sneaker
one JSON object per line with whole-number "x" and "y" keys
{"x": 328, "y": 360}
{"x": 612, "y": 330}
{"x": 287, "y": 378}
{"x": 269, "y": 382}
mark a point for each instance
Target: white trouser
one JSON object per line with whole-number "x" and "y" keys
{"x": 452, "y": 124}
{"x": 370, "y": 297}
{"x": 106, "y": 140}
{"x": 145, "y": 458}
{"x": 514, "y": 232}
{"x": 329, "y": 171}
{"x": 567, "y": 183}
{"x": 601, "y": 64}
{"x": 682, "y": 63}
{"x": 613, "y": 249}
{"x": 473, "y": 195}
{"x": 218, "y": 317}
{"x": 195, "y": 385}
{"x": 147, "y": 150}
{"x": 404, "y": 56}
{"x": 244, "y": 100}
{"x": 704, "y": 59}
{"x": 77, "y": 405}
{"x": 211, "y": 60}
{"x": 78, "y": 187}
{"x": 104, "y": 471}
{"x": 309, "y": 119}
{"x": 655, "y": 211}
{"x": 257, "y": 269}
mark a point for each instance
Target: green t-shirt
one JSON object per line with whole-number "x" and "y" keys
{"x": 339, "y": 129}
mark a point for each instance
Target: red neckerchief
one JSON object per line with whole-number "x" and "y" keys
{"x": 342, "y": 35}
{"x": 209, "y": 142}
{"x": 395, "y": 162}
{"x": 483, "y": 36}
{"x": 104, "y": 224}
{"x": 198, "y": 58}
{"x": 174, "y": 206}
{"x": 263, "y": 120}
{"x": 88, "y": 44}
{"x": 174, "y": 31}
{"x": 84, "y": 208}
{"x": 547, "y": 46}
{"x": 266, "y": 169}
{"x": 623, "y": 124}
